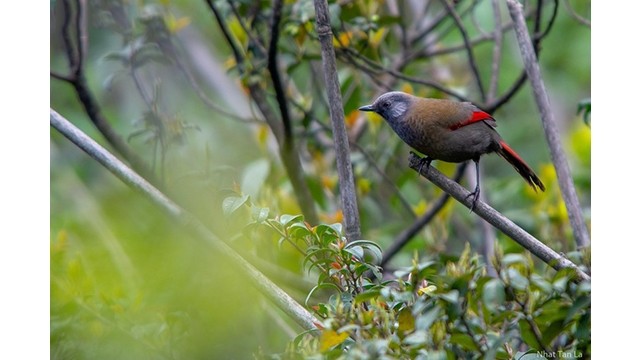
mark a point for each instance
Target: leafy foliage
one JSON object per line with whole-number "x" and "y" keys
{"x": 435, "y": 309}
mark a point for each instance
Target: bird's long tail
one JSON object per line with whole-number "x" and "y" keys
{"x": 521, "y": 167}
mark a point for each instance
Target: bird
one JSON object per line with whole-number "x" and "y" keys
{"x": 448, "y": 130}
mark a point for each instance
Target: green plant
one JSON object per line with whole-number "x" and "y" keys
{"x": 443, "y": 308}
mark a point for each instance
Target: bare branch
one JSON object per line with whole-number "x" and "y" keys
{"x": 82, "y": 38}
{"x": 553, "y": 138}
{"x": 536, "y": 42}
{"x": 496, "y": 52}
{"x": 468, "y": 47}
{"x": 341, "y": 142}
{"x": 575, "y": 15}
{"x": 75, "y": 48}
{"x": 272, "y": 66}
{"x": 288, "y": 155}
{"x": 497, "y": 219}
{"x": 279, "y": 297}
{"x": 399, "y": 75}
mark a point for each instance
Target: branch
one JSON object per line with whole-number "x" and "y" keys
{"x": 568, "y": 191}
{"x": 289, "y": 157}
{"x": 496, "y": 51}
{"x": 272, "y": 66}
{"x": 468, "y": 46}
{"x": 397, "y": 74}
{"x": 76, "y": 51}
{"x": 408, "y": 234}
{"x": 536, "y": 42}
{"x": 497, "y": 219}
{"x": 336, "y": 112}
{"x": 185, "y": 219}
{"x": 575, "y": 15}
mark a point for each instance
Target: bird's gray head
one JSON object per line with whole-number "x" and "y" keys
{"x": 392, "y": 106}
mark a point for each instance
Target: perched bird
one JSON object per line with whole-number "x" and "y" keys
{"x": 448, "y": 130}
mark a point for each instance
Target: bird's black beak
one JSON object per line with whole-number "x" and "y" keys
{"x": 366, "y": 108}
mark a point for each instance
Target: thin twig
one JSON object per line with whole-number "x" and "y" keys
{"x": 372, "y": 163}
{"x": 70, "y": 46}
{"x": 468, "y": 47}
{"x": 575, "y": 15}
{"x": 336, "y": 111}
{"x": 536, "y": 44}
{"x": 400, "y": 75}
{"x": 552, "y": 136}
{"x": 496, "y": 52}
{"x": 497, "y": 219}
{"x": 81, "y": 32}
{"x": 289, "y": 157}
{"x": 75, "y": 48}
{"x": 298, "y": 313}
{"x": 272, "y": 66}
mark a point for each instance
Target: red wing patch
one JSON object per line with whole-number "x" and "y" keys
{"x": 477, "y": 115}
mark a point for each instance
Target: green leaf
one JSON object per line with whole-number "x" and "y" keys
{"x": 530, "y": 355}
{"x": 527, "y": 335}
{"x": 286, "y": 219}
{"x": 585, "y": 107}
{"x": 299, "y": 230}
{"x": 583, "y": 302}
{"x": 451, "y": 297}
{"x": 232, "y": 203}
{"x": 510, "y": 259}
{"x": 516, "y": 280}
{"x": 367, "y": 295}
{"x": 493, "y": 294}
{"x": 552, "y": 331}
{"x": 318, "y": 287}
{"x": 259, "y": 214}
{"x": 541, "y": 283}
{"x": 560, "y": 284}
{"x": 372, "y": 252}
{"x": 406, "y": 322}
{"x": 425, "y": 320}
{"x": 328, "y": 233}
{"x": 356, "y": 251}
{"x": 416, "y": 338}
{"x": 254, "y": 176}
{"x": 464, "y": 341}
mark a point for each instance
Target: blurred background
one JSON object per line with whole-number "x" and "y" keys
{"x": 186, "y": 87}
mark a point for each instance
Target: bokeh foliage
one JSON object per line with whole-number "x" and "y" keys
{"x": 126, "y": 282}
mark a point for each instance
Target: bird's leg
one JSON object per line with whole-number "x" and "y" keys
{"x": 424, "y": 163}
{"x": 477, "y": 191}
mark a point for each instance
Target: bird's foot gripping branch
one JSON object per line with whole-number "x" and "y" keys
{"x": 496, "y": 219}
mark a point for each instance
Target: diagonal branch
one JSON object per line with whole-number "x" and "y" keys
{"x": 497, "y": 219}
{"x": 552, "y": 136}
{"x": 280, "y": 298}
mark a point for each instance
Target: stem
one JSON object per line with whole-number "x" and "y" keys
{"x": 336, "y": 111}
{"x": 553, "y": 138}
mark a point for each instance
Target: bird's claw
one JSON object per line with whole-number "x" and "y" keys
{"x": 424, "y": 162}
{"x": 475, "y": 196}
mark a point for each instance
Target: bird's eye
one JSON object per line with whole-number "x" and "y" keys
{"x": 386, "y": 104}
